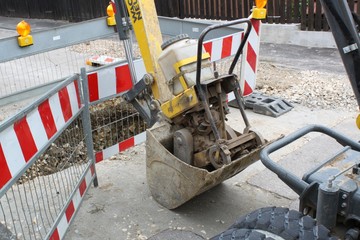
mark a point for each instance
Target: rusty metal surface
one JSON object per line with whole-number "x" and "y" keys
{"x": 173, "y": 182}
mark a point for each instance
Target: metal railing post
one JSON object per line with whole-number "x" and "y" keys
{"x": 87, "y": 121}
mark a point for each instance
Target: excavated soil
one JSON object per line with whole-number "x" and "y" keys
{"x": 113, "y": 121}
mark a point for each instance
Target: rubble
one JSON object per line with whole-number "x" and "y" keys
{"x": 314, "y": 89}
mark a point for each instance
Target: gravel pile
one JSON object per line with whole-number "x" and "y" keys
{"x": 63, "y": 153}
{"x": 313, "y": 89}
{"x": 107, "y": 47}
{"x": 113, "y": 121}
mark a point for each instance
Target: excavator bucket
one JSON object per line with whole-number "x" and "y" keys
{"x": 173, "y": 182}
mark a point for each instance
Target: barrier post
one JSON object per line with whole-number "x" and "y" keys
{"x": 250, "y": 59}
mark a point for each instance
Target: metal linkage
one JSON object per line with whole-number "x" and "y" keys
{"x": 124, "y": 30}
{"x": 200, "y": 88}
{"x": 347, "y": 39}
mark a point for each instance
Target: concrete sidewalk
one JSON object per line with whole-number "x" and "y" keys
{"x": 122, "y": 207}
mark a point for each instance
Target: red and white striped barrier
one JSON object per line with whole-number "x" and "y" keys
{"x": 223, "y": 47}
{"x": 250, "y": 59}
{"x": 120, "y": 147}
{"x": 24, "y": 138}
{"x": 113, "y": 80}
{"x": 73, "y": 206}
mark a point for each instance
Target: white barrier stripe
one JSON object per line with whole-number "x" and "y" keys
{"x": 111, "y": 151}
{"x": 106, "y": 82}
{"x": 88, "y": 179}
{"x": 56, "y": 111}
{"x": 140, "y": 138}
{"x": 235, "y": 44}
{"x": 216, "y": 50}
{"x": 12, "y": 151}
{"x": 73, "y": 98}
{"x": 249, "y": 75}
{"x": 77, "y": 199}
{"x": 62, "y": 226}
{"x": 231, "y": 96}
{"x": 254, "y": 41}
{"x": 139, "y": 68}
{"x": 37, "y": 129}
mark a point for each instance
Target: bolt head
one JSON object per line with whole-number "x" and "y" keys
{"x": 179, "y": 140}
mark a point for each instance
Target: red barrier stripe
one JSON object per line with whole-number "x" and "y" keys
{"x": 256, "y": 25}
{"x": 99, "y": 157}
{"x": 208, "y": 47}
{"x": 128, "y": 143}
{"x": 247, "y": 89}
{"x": 47, "y": 118}
{"x": 5, "y": 175}
{"x": 93, "y": 87}
{"x": 82, "y": 187}
{"x": 226, "y": 47}
{"x": 123, "y": 78}
{"x": 77, "y": 93}
{"x": 65, "y": 103}
{"x": 251, "y": 57}
{"x": 25, "y": 138}
{"x": 55, "y": 235}
{"x": 70, "y": 211}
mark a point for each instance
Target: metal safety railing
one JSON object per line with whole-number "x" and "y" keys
{"x": 56, "y": 54}
{"x": 47, "y": 163}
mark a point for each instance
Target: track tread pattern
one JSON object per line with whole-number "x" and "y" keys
{"x": 288, "y": 224}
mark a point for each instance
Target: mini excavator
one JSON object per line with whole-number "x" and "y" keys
{"x": 191, "y": 149}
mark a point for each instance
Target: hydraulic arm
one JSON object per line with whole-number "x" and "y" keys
{"x": 346, "y": 35}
